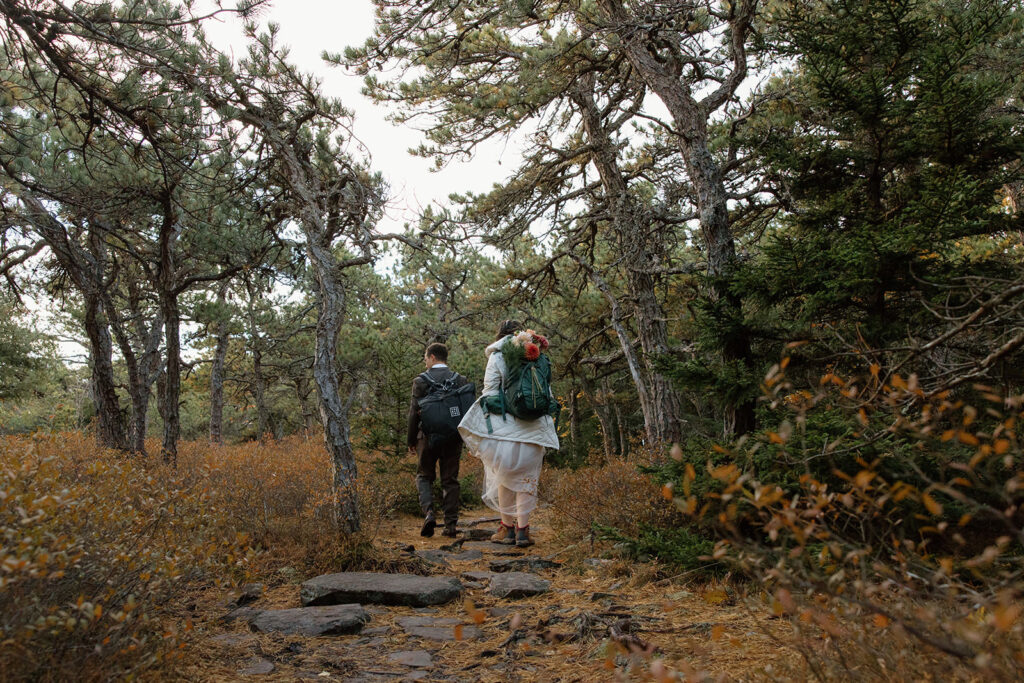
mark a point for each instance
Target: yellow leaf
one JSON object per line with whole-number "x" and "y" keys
{"x": 715, "y": 597}
{"x": 933, "y": 505}
{"x": 967, "y": 438}
{"x": 1001, "y": 446}
{"x": 1004, "y": 616}
{"x": 458, "y": 632}
{"x": 717, "y": 631}
{"x": 880, "y": 620}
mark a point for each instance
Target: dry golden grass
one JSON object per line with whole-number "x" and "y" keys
{"x": 614, "y": 494}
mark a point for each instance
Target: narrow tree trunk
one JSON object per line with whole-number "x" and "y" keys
{"x": 141, "y": 370}
{"x": 333, "y": 411}
{"x": 217, "y": 371}
{"x": 110, "y": 427}
{"x": 604, "y": 419}
{"x": 623, "y": 436}
{"x": 308, "y": 419}
{"x": 172, "y": 388}
{"x": 574, "y": 421}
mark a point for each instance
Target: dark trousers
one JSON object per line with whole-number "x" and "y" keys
{"x": 445, "y": 458}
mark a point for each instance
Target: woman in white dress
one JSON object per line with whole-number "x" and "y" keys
{"x": 511, "y": 450}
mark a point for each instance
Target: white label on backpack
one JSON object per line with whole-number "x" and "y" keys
{"x": 454, "y": 410}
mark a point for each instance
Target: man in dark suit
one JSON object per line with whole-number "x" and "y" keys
{"x": 445, "y": 455}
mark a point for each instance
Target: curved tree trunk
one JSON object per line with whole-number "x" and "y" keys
{"x": 659, "y": 400}
{"x": 110, "y": 426}
{"x": 333, "y": 411}
{"x": 690, "y": 117}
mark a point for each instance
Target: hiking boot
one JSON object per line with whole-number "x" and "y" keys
{"x": 450, "y": 530}
{"x": 523, "y": 536}
{"x": 429, "y": 523}
{"x": 505, "y": 534}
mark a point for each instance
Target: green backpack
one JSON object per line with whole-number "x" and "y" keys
{"x": 526, "y": 393}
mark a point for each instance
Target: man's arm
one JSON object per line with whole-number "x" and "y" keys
{"x": 418, "y": 391}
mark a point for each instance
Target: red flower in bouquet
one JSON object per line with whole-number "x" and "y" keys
{"x": 531, "y": 351}
{"x": 542, "y": 340}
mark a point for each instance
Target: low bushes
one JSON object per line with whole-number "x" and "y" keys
{"x": 94, "y": 545}
{"x": 99, "y": 549}
{"x": 884, "y": 521}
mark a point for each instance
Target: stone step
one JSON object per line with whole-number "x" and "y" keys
{"x": 369, "y": 588}
{"x": 517, "y": 585}
{"x": 332, "y": 620}
{"x": 437, "y": 628}
{"x": 526, "y": 563}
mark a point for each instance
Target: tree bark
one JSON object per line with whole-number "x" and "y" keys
{"x": 142, "y": 369}
{"x": 659, "y": 400}
{"x": 574, "y": 421}
{"x": 86, "y": 270}
{"x": 690, "y": 117}
{"x": 333, "y": 411}
{"x": 110, "y": 427}
{"x": 172, "y": 387}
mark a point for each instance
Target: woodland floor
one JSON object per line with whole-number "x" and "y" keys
{"x": 691, "y": 627}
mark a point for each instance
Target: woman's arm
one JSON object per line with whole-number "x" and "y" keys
{"x": 493, "y": 375}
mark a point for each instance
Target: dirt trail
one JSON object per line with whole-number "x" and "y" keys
{"x": 595, "y": 622}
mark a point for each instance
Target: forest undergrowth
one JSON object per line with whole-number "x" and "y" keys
{"x": 103, "y": 553}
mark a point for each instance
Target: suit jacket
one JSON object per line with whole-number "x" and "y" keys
{"x": 420, "y": 388}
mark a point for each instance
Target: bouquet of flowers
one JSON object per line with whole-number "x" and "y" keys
{"x": 524, "y": 347}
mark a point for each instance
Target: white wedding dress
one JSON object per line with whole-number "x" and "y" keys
{"x": 512, "y": 451}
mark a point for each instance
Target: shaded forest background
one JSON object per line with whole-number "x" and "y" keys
{"x": 776, "y": 246}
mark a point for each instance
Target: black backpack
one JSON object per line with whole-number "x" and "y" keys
{"x": 442, "y": 409}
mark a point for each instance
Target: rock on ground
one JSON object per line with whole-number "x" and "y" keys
{"x": 515, "y": 564}
{"x": 437, "y": 628}
{"x": 256, "y": 666}
{"x": 380, "y": 589}
{"x": 331, "y": 620}
{"x": 413, "y": 658}
{"x": 517, "y": 585}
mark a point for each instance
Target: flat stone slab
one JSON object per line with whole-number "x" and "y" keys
{"x": 419, "y": 659}
{"x": 517, "y": 585}
{"x": 441, "y": 557}
{"x": 332, "y": 620}
{"x": 256, "y": 666}
{"x": 436, "y": 628}
{"x": 490, "y": 547}
{"x": 526, "y": 563}
{"x": 474, "y": 534}
{"x": 380, "y": 589}
{"x": 466, "y": 555}
{"x": 438, "y": 557}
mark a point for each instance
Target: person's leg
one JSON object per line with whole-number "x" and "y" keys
{"x": 449, "y": 465}
{"x": 425, "y": 475}
{"x": 507, "y": 503}
{"x": 525, "y": 503}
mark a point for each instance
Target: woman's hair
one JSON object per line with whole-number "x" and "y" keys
{"x": 508, "y": 327}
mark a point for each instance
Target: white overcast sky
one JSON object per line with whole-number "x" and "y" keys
{"x": 309, "y": 27}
